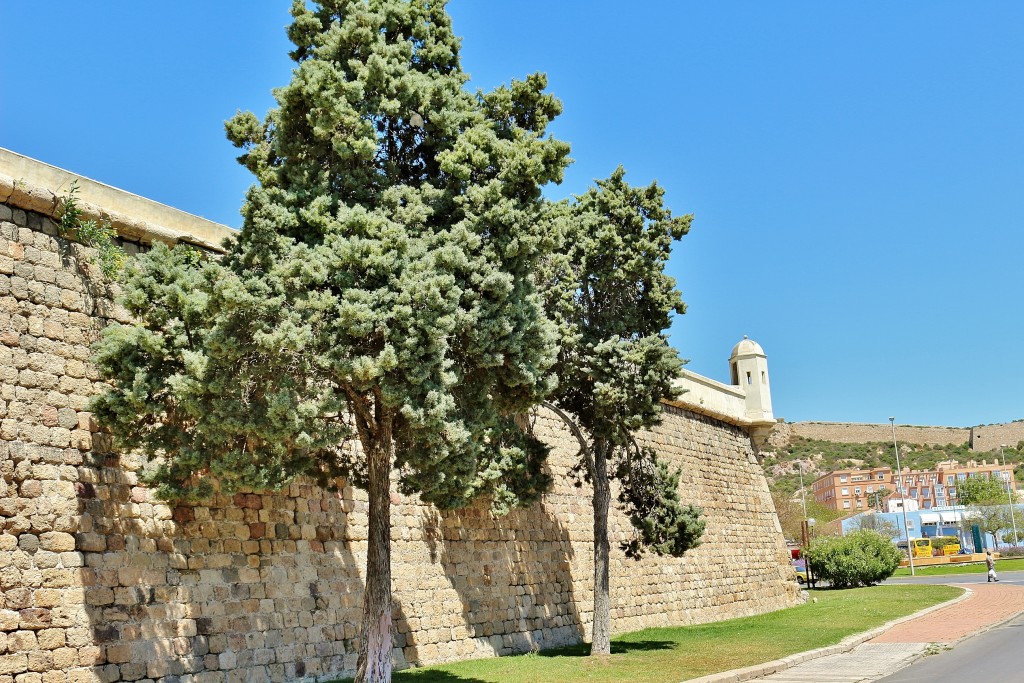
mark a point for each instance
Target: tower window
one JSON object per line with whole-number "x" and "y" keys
{"x": 764, "y": 377}
{"x": 749, "y": 379}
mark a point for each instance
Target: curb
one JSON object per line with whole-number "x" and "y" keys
{"x": 845, "y": 645}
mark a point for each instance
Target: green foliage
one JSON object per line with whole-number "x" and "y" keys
{"x": 216, "y": 382}
{"x": 101, "y": 236}
{"x": 610, "y": 295}
{"x": 862, "y": 558}
{"x": 876, "y": 499}
{"x": 980, "y": 491}
{"x": 381, "y": 285}
{"x": 941, "y": 542}
{"x": 650, "y": 498}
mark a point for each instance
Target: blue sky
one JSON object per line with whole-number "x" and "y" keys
{"x": 855, "y": 168}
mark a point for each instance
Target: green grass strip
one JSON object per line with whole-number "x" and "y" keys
{"x": 675, "y": 654}
{"x": 1015, "y": 564}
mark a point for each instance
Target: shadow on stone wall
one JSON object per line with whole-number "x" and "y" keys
{"x": 250, "y": 588}
{"x": 516, "y": 587}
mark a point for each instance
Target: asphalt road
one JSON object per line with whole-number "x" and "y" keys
{"x": 992, "y": 656}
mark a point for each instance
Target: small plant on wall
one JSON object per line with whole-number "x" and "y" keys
{"x": 101, "y": 236}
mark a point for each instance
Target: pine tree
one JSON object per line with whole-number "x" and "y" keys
{"x": 609, "y": 291}
{"x": 377, "y": 315}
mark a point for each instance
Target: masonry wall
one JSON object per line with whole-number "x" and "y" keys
{"x": 99, "y": 582}
{"x": 983, "y": 438}
{"x": 858, "y": 432}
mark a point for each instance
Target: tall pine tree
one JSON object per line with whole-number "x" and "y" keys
{"x": 609, "y": 291}
{"x": 377, "y": 316}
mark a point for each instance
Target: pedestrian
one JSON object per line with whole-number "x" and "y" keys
{"x": 991, "y": 562}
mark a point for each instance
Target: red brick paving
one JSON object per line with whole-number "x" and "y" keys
{"x": 988, "y": 605}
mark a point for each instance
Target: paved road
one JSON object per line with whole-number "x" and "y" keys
{"x": 992, "y": 656}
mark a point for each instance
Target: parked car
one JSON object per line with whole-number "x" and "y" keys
{"x": 801, "y": 571}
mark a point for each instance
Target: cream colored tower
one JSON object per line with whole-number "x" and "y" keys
{"x": 748, "y": 366}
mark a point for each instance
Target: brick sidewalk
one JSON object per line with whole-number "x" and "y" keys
{"x": 990, "y": 604}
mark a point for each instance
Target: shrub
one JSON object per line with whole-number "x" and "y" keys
{"x": 940, "y": 542}
{"x": 862, "y": 558}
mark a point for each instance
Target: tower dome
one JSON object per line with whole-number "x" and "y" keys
{"x": 748, "y": 366}
{"x": 747, "y": 347}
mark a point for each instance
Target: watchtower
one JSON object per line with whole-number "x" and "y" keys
{"x": 748, "y": 367}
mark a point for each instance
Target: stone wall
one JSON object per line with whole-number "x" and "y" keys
{"x": 983, "y": 438}
{"x": 99, "y": 582}
{"x": 989, "y": 437}
{"x": 859, "y": 432}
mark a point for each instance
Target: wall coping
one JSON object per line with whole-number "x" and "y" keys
{"x": 734, "y": 396}
{"x": 33, "y": 185}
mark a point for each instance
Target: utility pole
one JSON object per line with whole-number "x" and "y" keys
{"x": 1009, "y": 496}
{"x": 803, "y": 491}
{"x": 903, "y": 498}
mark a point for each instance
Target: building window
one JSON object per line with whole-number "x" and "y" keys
{"x": 842, "y": 478}
{"x": 871, "y": 489}
{"x": 857, "y": 490}
{"x": 846, "y": 491}
{"x": 881, "y": 476}
{"x": 846, "y": 505}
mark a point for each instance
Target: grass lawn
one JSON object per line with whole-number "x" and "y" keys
{"x": 675, "y": 654}
{"x": 1010, "y": 565}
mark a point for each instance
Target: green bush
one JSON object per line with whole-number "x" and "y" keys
{"x": 940, "y": 542}
{"x": 862, "y": 558}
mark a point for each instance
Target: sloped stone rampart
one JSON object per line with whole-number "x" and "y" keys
{"x": 100, "y": 582}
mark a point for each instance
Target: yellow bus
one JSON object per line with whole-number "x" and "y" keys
{"x": 922, "y": 547}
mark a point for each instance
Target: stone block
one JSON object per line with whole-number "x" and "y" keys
{"x": 34, "y": 618}
{"x": 14, "y": 663}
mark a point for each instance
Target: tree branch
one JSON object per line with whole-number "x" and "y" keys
{"x": 585, "y": 450}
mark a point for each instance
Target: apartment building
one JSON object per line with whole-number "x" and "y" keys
{"x": 852, "y": 489}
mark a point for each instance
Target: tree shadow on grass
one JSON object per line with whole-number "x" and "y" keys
{"x": 425, "y": 676}
{"x": 618, "y": 648}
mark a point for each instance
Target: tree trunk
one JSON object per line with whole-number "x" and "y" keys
{"x": 374, "y": 664}
{"x": 601, "y": 632}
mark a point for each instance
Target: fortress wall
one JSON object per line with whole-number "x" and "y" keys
{"x": 100, "y": 582}
{"x": 856, "y": 432}
{"x": 989, "y": 437}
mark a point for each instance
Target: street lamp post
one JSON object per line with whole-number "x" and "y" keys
{"x": 803, "y": 491}
{"x": 903, "y": 498}
{"x": 1009, "y": 496}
